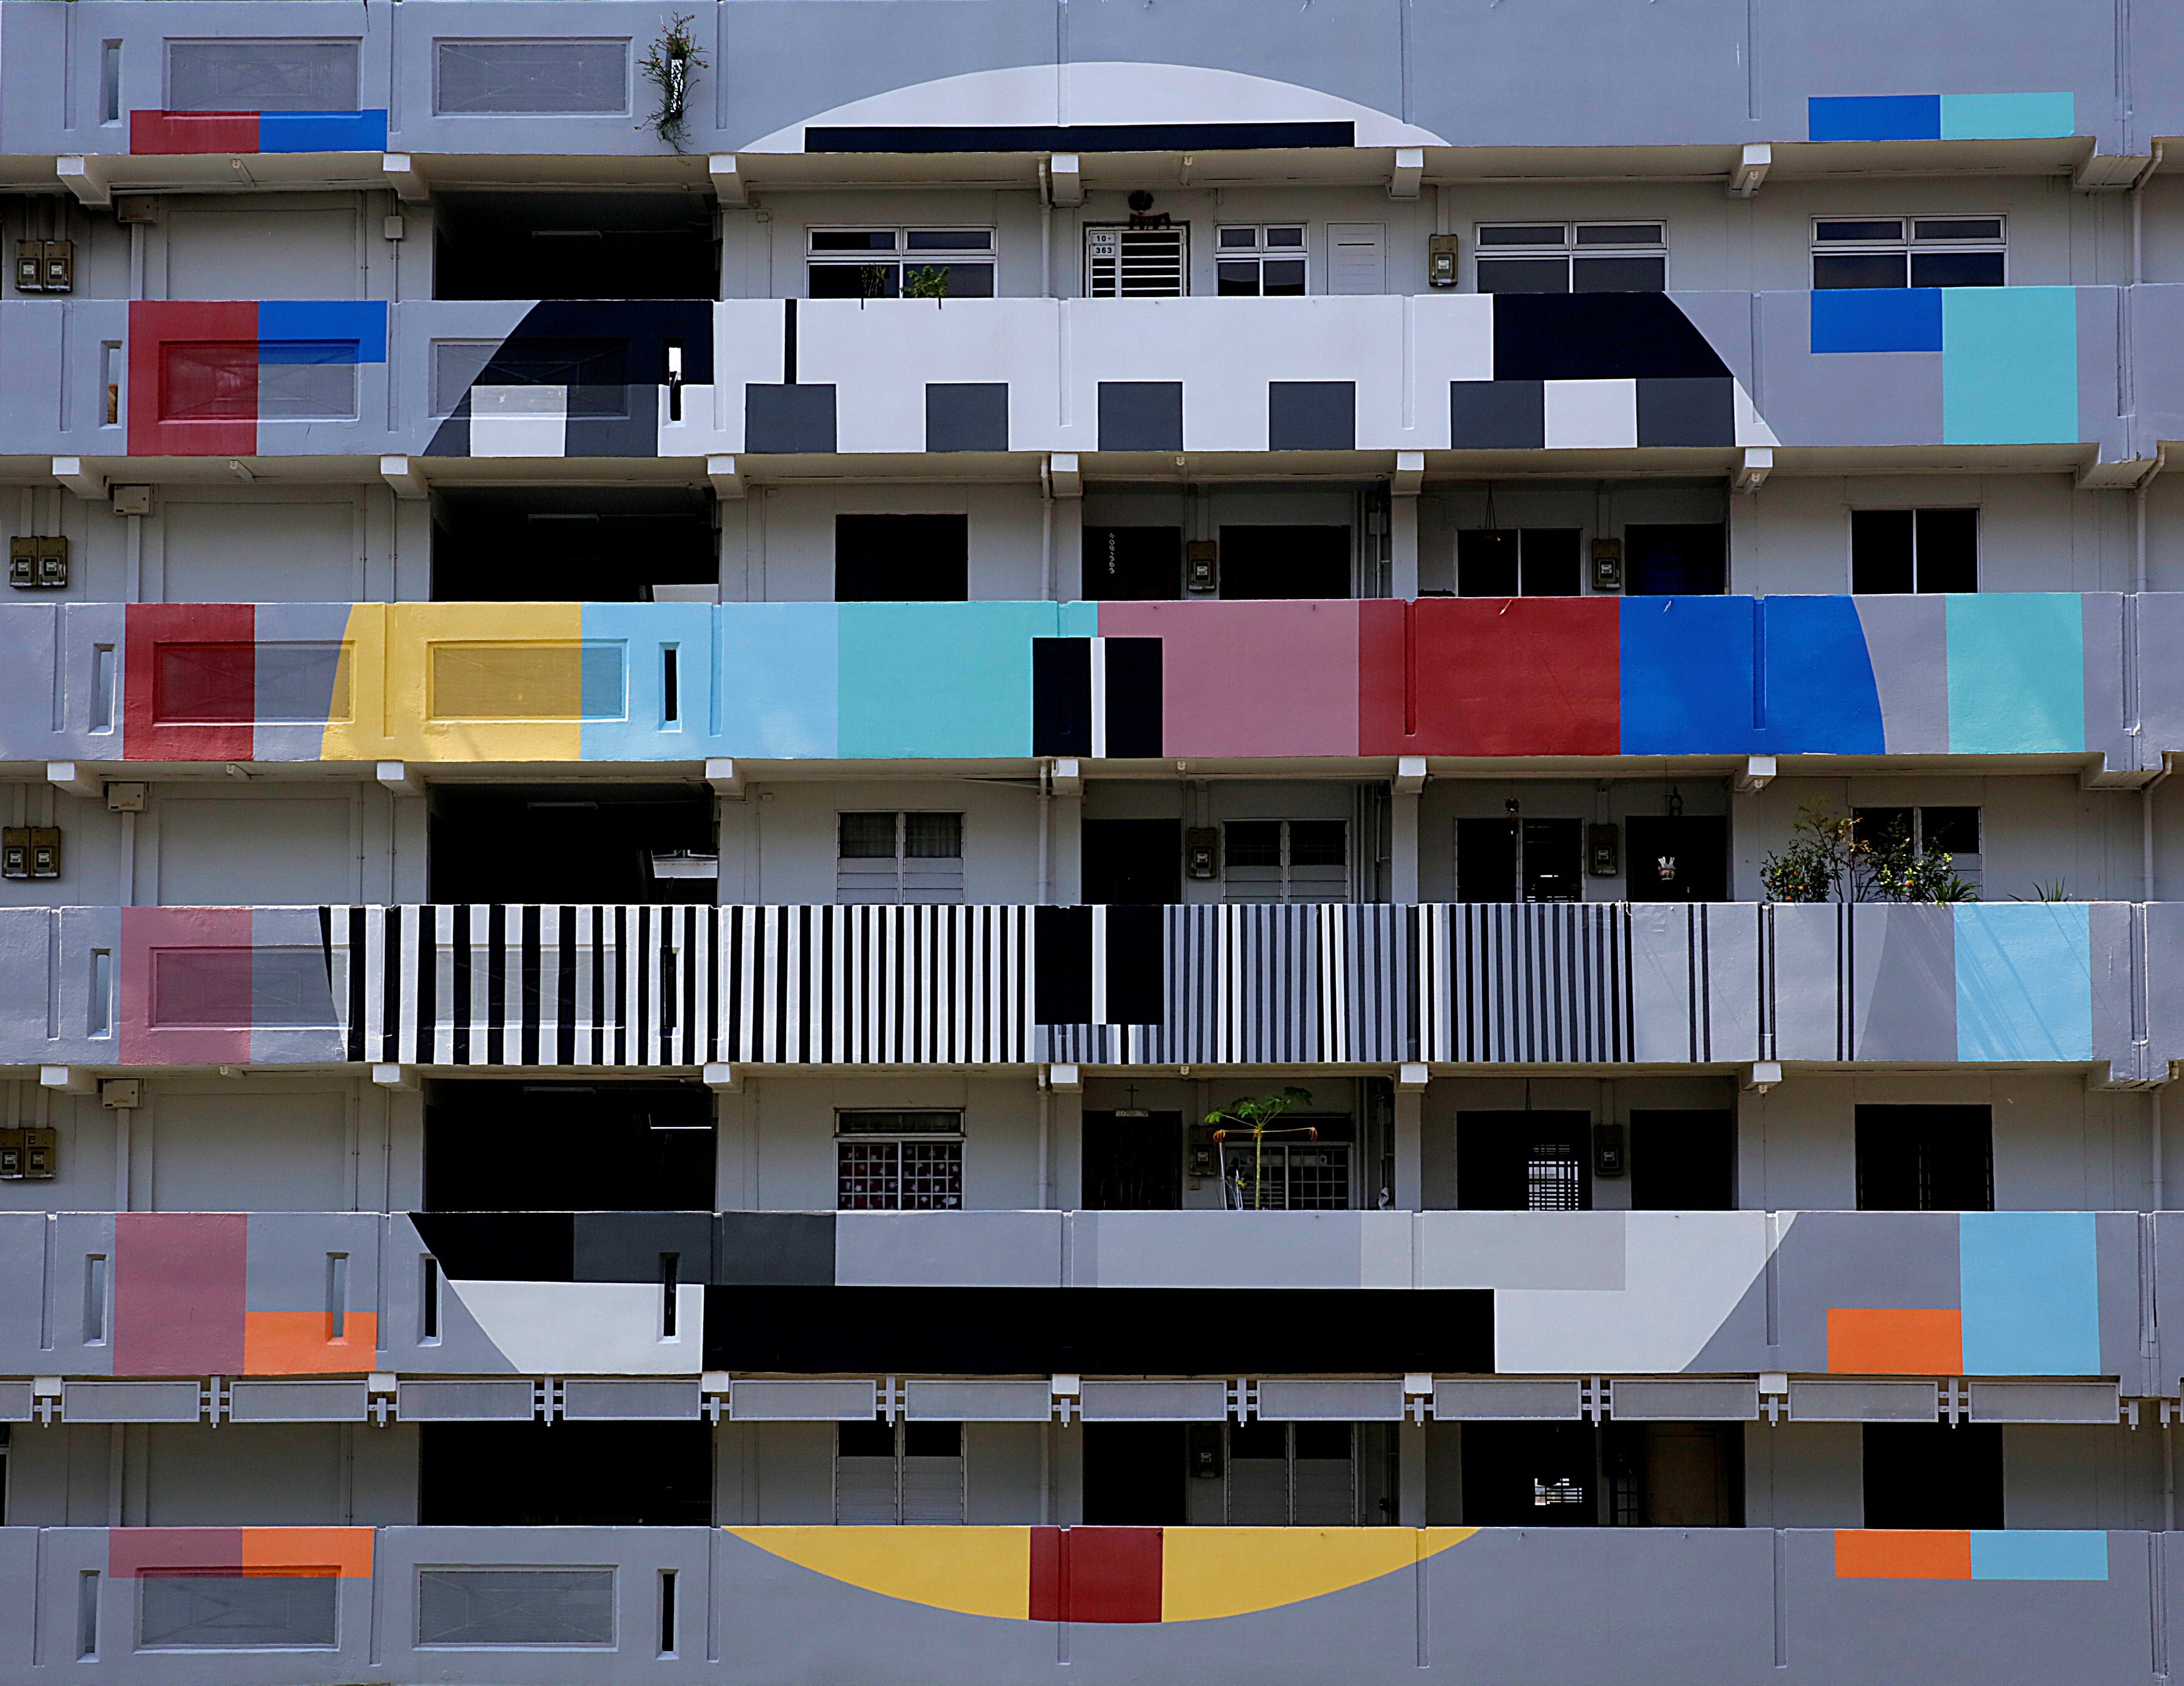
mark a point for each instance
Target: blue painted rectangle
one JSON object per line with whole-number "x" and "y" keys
{"x": 322, "y": 132}
{"x": 362, "y": 322}
{"x": 1686, "y": 674}
{"x": 1874, "y": 117}
{"x": 2031, "y": 1293}
{"x": 307, "y": 351}
{"x": 1877, "y": 319}
{"x": 2007, "y": 116}
{"x": 637, "y": 728}
{"x": 1816, "y": 679}
{"x": 2017, "y": 673}
{"x": 2025, "y": 981}
{"x": 2009, "y": 365}
{"x": 2039, "y": 1555}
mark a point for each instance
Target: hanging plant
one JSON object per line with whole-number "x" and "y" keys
{"x": 669, "y": 64}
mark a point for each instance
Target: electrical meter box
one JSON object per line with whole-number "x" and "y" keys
{"x": 30, "y": 852}
{"x": 1201, "y": 852}
{"x": 29, "y": 266}
{"x": 60, "y": 266}
{"x": 1440, "y": 260}
{"x": 1608, "y": 565}
{"x": 28, "y": 1154}
{"x": 1201, "y": 565}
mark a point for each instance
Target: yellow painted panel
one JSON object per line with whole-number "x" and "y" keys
{"x": 976, "y": 1570}
{"x": 475, "y": 681}
{"x": 1209, "y": 1573}
{"x": 482, "y": 681}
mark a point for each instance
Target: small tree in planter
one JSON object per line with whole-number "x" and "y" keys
{"x": 1258, "y": 1113}
{"x": 928, "y": 281}
{"x": 1826, "y": 860}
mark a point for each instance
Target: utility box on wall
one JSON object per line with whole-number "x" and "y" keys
{"x": 38, "y": 563}
{"x": 28, "y": 1154}
{"x": 30, "y": 852}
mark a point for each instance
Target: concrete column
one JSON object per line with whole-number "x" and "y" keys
{"x": 1409, "y": 1152}
{"x": 1410, "y": 1474}
{"x": 1065, "y": 850}
{"x": 1403, "y": 846}
{"x": 1403, "y": 545}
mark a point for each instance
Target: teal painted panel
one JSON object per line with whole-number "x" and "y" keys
{"x": 2007, "y": 116}
{"x": 2017, "y": 673}
{"x": 2025, "y": 981}
{"x": 2031, "y": 1294}
{"x": 927, "y": 679}
{"x": 1078, "y": 620}
{"x": 774, "y": 690}
{"x": 2009, "y": 365}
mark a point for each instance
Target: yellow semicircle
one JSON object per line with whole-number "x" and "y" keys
{"x": 975, "y": 1571}
{"x": 1209, "y": 1573}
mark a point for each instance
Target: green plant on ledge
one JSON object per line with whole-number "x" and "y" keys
{"x": 1258, "y": 1113}
{"x": 1826, "y": 860}
{"x": 668, "y": 65}
{"x": 927, "y": 282}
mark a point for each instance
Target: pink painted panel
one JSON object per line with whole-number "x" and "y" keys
{"x": 186, "y": 979}
{"x": 178, "y": 1293}
{"x": 1250, "y": 678}
{"x": 130, "y": 1552}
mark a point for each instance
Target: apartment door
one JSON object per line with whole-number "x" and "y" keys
{"x": 1683, "y": 1161}
{"x": 1358, "y": 256}
{"x": 1523, "y": 1161}
{"x": 1284, "y": 562}
{"x": 1680, "y": 858}
{"x": 1133, "y": 863}
{"x": 1129, "y": 564}
{"x": 1132, "y": 1164}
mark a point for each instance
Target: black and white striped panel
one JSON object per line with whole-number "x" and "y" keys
{"x": 1545, "y": 983}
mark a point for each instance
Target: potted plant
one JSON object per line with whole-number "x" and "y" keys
{"x": 1258, "y": 1113}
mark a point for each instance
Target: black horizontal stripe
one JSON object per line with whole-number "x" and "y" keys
{"x": 1077, "y": 137}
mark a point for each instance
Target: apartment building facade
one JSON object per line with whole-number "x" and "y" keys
{"x": 852, "y": 840}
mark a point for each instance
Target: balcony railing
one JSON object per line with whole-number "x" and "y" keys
{"x": 2050, "y": 1315}
{"x": 779, "y": 1607}
{"x": 1604, "y": 984}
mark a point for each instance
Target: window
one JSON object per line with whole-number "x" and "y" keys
{"x": 1561, "y": 257}
{"x": 1264, "y": 262}
{"x": 902, "y": 558}
{"x": 887, "y": 263}
{"x": 1683, "y": 559}
{"x": 890, "y": 857}
{"x": 910, "y": 1473}
{"x": 1517, "y": 562}
{"x": 1520, "y": 861}
{"x": 1908, "y": 252}
{"x": 1954, "y": 831}
{"x": 1285, "y": 861}
{"x": 1925, "y": 1158}
{"x": 1137, "y": 262}
{"x": 1279, "y": 1474}
{"x": 1933, "y": 1475}
{"x": 898, "y": 1161}
{"x": 1523, "y": 1161}
{"x": 1914, "y": 550}
{"x": 1302, "y": 1165}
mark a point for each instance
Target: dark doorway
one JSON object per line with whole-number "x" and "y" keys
{"x": 1133, "y": 1165}
{"x": 1486, "y": 859}
{"x": 1133, "y": 1474}
{"x": 565, "y": 1474}
{"x": 1523, "y": 1161}
{"x": 1517, "y": 562}
{"x": 1933, "y": 1475}
{"x": 494, "y": 1146}
{"x": 1683, "y": 1161}
{"x": 1683, "y": 858}
{"x": 1133, "y": 863}
{"x": 574, "y": 245}
{"x": 1683, "y": 560}
{"x": 572, "y": 544}
{"x": 1531, "y": 1475}
{"x": 546, "y": 844}
{"x": 902, "y": 558}
{"x": 1124, "y": 565}
{"x": 1285, "y": 562}
{"x": 1686, "y": 1475}
{"x": 1527, "y": 860}
{"x": 1925, "y": 1158}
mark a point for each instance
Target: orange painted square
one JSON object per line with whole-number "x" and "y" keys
{"x": 295, "y": 1344}
{"x": 1890, "y": 1343}
{"x": 342, "y": 1552}
{"x": 1904, "y": 1555}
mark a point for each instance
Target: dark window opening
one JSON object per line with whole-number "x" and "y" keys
{"x": 630, "y": 843}
{"x": 902, "y": 558}
{"x": 1683, "y": 559}
{"x": 1133, "y": 1165}
{"x": 1676, "y": 858}
{"x": 1914, "y": 550}
{"x": 1683, "y": 1161}
{"x": 1933, "y": 1475}
{"x": 570, "y": 544}
{"x": 1133, "y": 863}
{"x": 1517, "y": 562}
{"x": 1523, "y": 1161}
{"x": 1130, "y": 564}
{"x": 1606, "y": 1475}
{"x": 565, "y": 1474}
{"x": 554, "y": 244}
{"x": 1265, "y": 562}
{"x": 1133, "y": 1474}
{"x": 492, "y": 1145}
{"x": 1527, "y": 860}
{"x": 1925, "y": 1158}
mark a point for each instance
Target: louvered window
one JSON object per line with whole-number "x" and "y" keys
{"x": 1137, "y": 262}
{"x": 899, "y": 857}
{"x": 1285, "y": 861}
{"x": 910, "y": 1473}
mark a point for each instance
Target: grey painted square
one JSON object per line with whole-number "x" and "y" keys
{"x": 626, "y": 1401}
{"x": 465, "y": 1402}
{"x": 1311, "y": 415}
{"x": 967, "y": 415}
{"x": 1497, "y": 415}
{"x": 1141, "y": 416}
{"x": 555, "y": 1607}
{"x": 1685, "y": 411}
{"x": 786, "y": 420}
{"x": 628, "y": 1246}
{"x": 298, "y": 1401}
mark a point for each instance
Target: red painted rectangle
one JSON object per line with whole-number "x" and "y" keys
{"x": 190, "y": 682}
{"x": 178, "y": 1293}
{"x": 1095, "y": 1574}
{"x": 186, "y": 985}
{"x": 193, "y": 419}
{"x": 1491, "y": 677}
{"x": 192, "y": 132}
{"x": 1259, "y": 678}
{"x": 132, "y": 1552}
